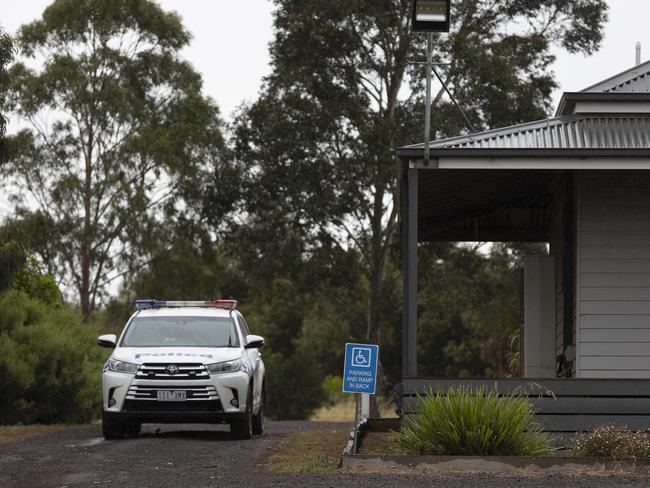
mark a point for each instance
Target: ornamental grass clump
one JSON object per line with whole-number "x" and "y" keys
{"x": 463, "y": 421}
{"x": 612, "y": 441}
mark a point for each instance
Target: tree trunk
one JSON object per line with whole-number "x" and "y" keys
{"x": 376, "y": 283}
{"x": 84, "y": 289}
{"x": 86, "y": 240}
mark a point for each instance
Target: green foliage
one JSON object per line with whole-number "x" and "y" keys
{"x": 462, "y": 421}
{"x": 470, "y": 308}
{"x": 293, "y": 379}
{"x": 12, "y": 258}
{"x": 31, "y": 280}
{"x": 130, "y": 134}
{"x": 514, "y": 356}
{"x": 451, "y": 293}
{"x": 501, "y": 53}
{"x": 333, "y": 388}
{"x": 293, "y": 385}
{"x": 6, "y": 56}
{"x": 316, "y": 151}
{"x": 49, "y": 365}
{"x": 22, "y": 272}
{"x": 184, "y": 265}
{"x": 612, "y": 441}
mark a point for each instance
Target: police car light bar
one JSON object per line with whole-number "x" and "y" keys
{"x": 148, "y": 303}
{"x": 227, "y": 304}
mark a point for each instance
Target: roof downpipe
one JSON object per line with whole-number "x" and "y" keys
{"x": 638, "y": 54}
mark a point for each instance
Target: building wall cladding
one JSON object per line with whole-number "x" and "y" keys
{"x": 614, "y": 275}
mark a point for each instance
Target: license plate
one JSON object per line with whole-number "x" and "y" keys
{"x": 172, "y": 396}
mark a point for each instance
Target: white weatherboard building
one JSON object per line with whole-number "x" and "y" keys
{"x": 581, "y": 182}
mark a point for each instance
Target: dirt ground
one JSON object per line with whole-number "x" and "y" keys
{"x": 204, "y": 456}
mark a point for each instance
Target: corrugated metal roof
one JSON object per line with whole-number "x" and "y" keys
{"x": 638, "y": 84}
{"x": 578, "y": 131}
{"x": 632, "y": 80}
{"x": 614, "y": 115}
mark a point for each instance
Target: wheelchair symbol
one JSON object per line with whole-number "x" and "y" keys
{"x": 361, "y": 357}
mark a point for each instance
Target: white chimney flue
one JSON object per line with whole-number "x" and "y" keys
{"x": 638, "y": 54}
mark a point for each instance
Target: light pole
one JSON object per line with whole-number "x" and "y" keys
{"x": 429, "y": 16}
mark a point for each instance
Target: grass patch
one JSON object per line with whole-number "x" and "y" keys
{"x": 379, "y": 443}
{"x": 343, "y": 411}
{"x": 309, "y": 452}
{"x": 466, "y": 422}
{"x": 18, "y": 433}
{"x": 612, "y": 441}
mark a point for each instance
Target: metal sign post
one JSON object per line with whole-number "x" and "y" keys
{"x": 360, "y": 377}
{"x": 357, "y": 419}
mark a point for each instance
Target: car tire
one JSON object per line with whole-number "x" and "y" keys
{"x": 258, "y": 420}
{"x": 112, "y": 428}
{"x": 242, "y": 428}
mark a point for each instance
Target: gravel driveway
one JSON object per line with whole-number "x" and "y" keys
{"x": 184, "y": 456}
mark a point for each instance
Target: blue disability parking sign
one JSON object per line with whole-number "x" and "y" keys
{"x": 360, "y": 373}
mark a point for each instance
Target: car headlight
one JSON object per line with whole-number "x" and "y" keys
{"x": 225, "y": 367}
{"x": 122, "y": 366}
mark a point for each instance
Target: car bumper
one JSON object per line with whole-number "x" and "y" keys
{"x": 156, "y": 417}
{"x": 229, "y": 402}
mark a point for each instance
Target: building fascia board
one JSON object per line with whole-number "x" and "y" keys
{"x": 414, "y": 153}
{"x": 572, "y": 101}
{"x": 566, "y": 163}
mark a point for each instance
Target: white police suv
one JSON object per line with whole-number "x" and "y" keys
{"x": 183, "y": 362}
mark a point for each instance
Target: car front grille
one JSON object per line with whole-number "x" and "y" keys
{"x": 172, "y": 371}
{"x": 150, "y": 392}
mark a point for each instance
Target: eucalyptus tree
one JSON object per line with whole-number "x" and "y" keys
{"x": 6, "y": 56}
{"x": 345, "y": 90}
{"x": 12, "y": 255}
{"x": 118, "y": 135}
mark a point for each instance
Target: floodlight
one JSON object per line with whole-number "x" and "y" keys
{"x": 431, "y": 15}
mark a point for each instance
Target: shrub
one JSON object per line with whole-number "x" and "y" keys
{"x": 49, "y": 364}
{"x": 462, "y": 421}
{"x": 294, "y": 386}
{"x": 333, "y": 388}
{"x": 31, "y": 280}
{"x": 612, "y": 441}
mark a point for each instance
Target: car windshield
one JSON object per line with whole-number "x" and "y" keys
{"x": 181, "y": 331}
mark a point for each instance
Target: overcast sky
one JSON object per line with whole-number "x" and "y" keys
{"x": 230, "y": 43}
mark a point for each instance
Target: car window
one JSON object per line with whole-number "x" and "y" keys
{"x": 181, "y": 331}
{"x": 244, "y": 326}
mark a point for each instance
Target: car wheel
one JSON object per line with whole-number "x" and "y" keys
{"x": 112, "y": 428}
{"x": 258, "y": 420}
{"x": 243, "y": 428}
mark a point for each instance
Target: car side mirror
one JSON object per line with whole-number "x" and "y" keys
{"x": 254, "y": 342}
{"x": 107, "y": 340}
